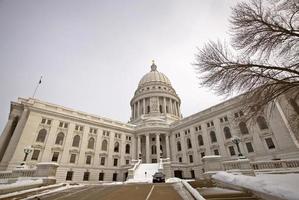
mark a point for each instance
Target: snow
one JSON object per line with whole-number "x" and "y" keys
{"x": 173, "y": 180}
{"x": 20, "y": 183}
{"x": 140, "y": 176}
{"x": 284, "y": 186}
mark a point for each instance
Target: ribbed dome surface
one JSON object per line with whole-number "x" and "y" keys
{"x": 154, "y": 76}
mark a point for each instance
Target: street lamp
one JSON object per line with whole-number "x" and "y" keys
{"x": 236, "y": 140}
{"x": 27, "y": 150}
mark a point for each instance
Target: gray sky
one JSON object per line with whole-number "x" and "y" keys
{"x": 93, "y": 53}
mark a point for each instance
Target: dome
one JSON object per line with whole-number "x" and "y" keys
{"x": 154, "y": 76}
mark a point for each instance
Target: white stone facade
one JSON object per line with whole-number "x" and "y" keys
{"x": 89, "y": 147}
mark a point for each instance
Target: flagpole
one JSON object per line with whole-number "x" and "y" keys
{"x": 40, "y": 81}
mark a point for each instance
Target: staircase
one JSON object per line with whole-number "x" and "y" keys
{"x": 141, "y": 176}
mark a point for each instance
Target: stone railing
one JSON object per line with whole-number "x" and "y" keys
{"x": 131, "y": 171}
{"x": 274, "y": 164}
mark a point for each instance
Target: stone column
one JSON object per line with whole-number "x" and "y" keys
{"x": 15, "y": 138}
{"x": 158, "y": 104}
{"x": 147, "y": 148}
{"x": 138, "y": 109}
{"x": 4, "y": 137}
{"x": 133, "y": 106}
{"x": 167, "y": 146}
{"x": 138, "y": 147}
{"x": 158, "y": 146}
{"x": 170, "y": 106}
{"x": 164, "y": 104}
{"x": 144, "y": 106}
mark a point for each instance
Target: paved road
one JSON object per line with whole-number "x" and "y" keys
{"x": 118, "y": 192}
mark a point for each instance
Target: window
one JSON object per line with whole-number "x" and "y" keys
{"x": 41, "y": 137}
{"x": 213, "y": 136}
{"x": 104, "y": 145}
{"x": 43, "y": 121}
{"x": 69, "y": 175}
{"x": 227, "y": 133}
{"x": 86, "y": 176}
{"x": 200, "y": 140}
{"x": 191, "y": 158}
{"x": 55, "y": 156}
{"x": 49, "y": 122}
{"x": 73, "y": 158}
{"x": 35, "y": 154}
{"x": 225, "y": 119}
{"x": 202, "y": 154}
{"x": 59, "y": 138}
{"x": 160, "y": 108}
{"x": 189, "y": 145}
{"x": 179, "y": 147}
{"x": 88, "y": 160}
{"x": 232, "y": 150}
{"x": 116, "y": 147}
{"x": 79, "y": 128}
{"x": 114, "y": 177}
{"x": 63, "y": 124}
{"x": 127, "y": 162}
{"x": 76, "y": 141}
{"x": 127, "y": 149}
{"x": 115, "y": 162}
{"x": 216, "y": 152}
{"x": 243, "y": 128}
{"x": 262, "y": 123}
{"x": 93, "y": 130}
{"x": 153, "y": 139}
{"x": 154, "y": 149}
{"x": 180, "y": 159}
{"x": 270, "y": 143}
{"x": 249, "y": 147}
{"x": 102, "y": 161}
{"x": 90, "y": 143}
{"x": 148, "y": 109}
{"x": 46, "y": 121}
{"x": 101, "y": 176}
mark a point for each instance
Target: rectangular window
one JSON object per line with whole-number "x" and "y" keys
{"x": 216, "y": 152}
{"x": 221, "y": 120}
{"x": 249, "y": 147}
{"x": 114, "y": 178}
{"x": 270, "y": 143}
{"x": 60, "y": 124}
{"x": 69, "y": 176}
{"x": 73, "y": 158}
{"x": 43, "y": 121}
{"x": 102, "y": 161}
{"x": 35, "y": 154}
{"x": 212, "y": 123}
{"x": 88, "y": 160}
{"x": 208, "y": 124}
{"x": 86, "y": 176}
{"x": 101, "y": 176}
{"x": 191, "y": 158}
{"x": 180, "y": 159}
{"x": 202, "y": 154}
{"x": 127, "y": 162}
{"x": 225, "y": 118}
{"x": 232, "y": 150}
{"x": 236, "y": 115}
{"x": 66, "y": 125}
{"x": 49, "y": 122}
{"x": 55, "y": 156}
{"x": 115, "y": 162}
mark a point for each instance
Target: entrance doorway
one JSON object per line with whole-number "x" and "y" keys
{"x": 178, "y": 173}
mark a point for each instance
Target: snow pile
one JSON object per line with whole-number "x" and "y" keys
{"x": 173, "y": 180}
{"x": 144, "y": 173}
{"x": 20, "y": 183}
{"x": 283, "y": 186}
{"x": 113, "y": 183}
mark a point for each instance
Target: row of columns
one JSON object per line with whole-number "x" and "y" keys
{"x": 147, "y": 146}
{"x": 139, "y": 107}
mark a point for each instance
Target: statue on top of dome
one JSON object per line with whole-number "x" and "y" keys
{"x": 153, "y": 66}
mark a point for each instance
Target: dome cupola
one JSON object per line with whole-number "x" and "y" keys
{"x": 155, "y": 97}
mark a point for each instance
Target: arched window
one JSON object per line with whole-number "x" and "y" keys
{"x": 59, "y": 138}
{"x": 179, "y": 147}
{"x": 213, "y": 136}
{"x": 41, "y": 135}
{"x": 227, "y": 133}
{"x": 116, "y": 147}
{"x": 189, "y": 145}
{"x": 148, "y": 109}
{"x": 243, "y": 128}
{"x": 154, "y": 149}
{"x": 262, "y": 123}
{"x": 90, "y": 143}
{"x": 104, "y": 145}
{"x": 161, "y": 109}
{"x": 76, "y": 141}
{"x": 200, "y": 140}
{"x": 127, "y": 148}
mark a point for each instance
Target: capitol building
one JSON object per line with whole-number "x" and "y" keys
{"x": 92, "y": 148}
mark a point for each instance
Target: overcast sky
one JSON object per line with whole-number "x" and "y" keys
{"x": 93, "y": 53}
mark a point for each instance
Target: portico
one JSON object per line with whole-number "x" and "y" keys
{"x": 153, "y": 146}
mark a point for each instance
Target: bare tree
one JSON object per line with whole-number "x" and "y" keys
{"x": 263, "y": 59}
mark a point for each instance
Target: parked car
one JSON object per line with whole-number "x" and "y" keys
{"x": 159, "y": 177}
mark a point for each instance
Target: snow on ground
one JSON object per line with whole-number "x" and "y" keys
{"x": 20, "y": 183}
{"x": 284, "y": 186}
{"x": 144, "y": 173}
{"x": 173, "y": 180}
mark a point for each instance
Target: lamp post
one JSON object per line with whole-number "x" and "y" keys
{"x": 27, "y": 150}
{"x": 236, "y": 140}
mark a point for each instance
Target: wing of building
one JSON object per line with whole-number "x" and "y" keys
{"x": 90, "y": 147}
